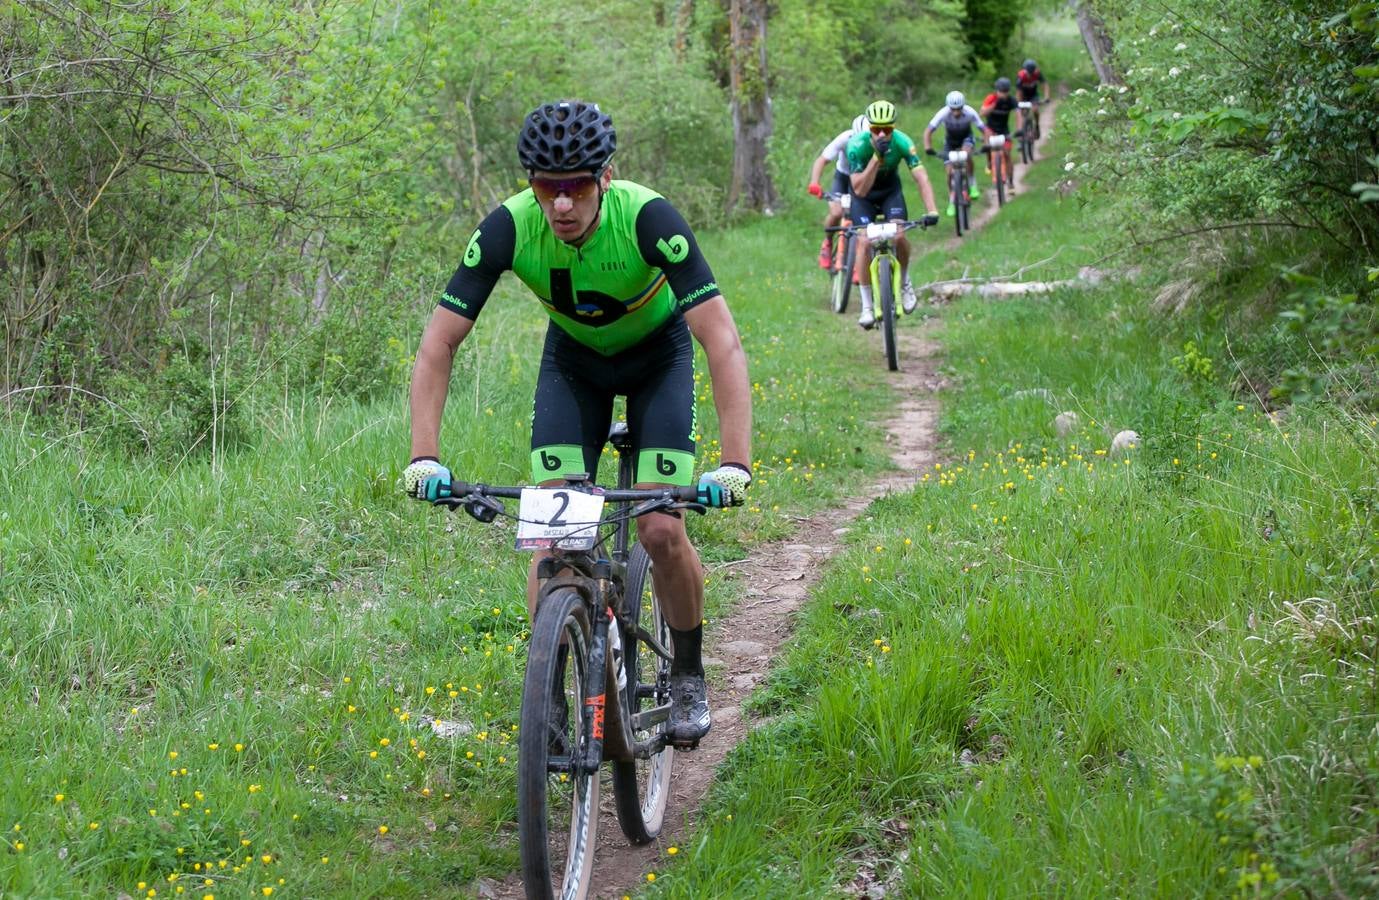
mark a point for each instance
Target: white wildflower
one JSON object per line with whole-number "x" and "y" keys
{"x": 1122, "y": 89}
{"x": 1173, "y": 72}
{"x": 1068, "y": 167}
{"x": 1180, "y": 47}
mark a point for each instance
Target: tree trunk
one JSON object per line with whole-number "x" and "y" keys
{"x": 1098, "y": 42}
{"x": 751, "y": 106}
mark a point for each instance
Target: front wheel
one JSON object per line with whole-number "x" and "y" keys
{"x": 557, "y": 805}
{"x": 955, "y": 198}
{"x": 999, "y": 166}
{"x": 964, "y": 202}
{"x": 641, "y": 787}
{"x": 846, "y": 255}
{"x": 886, "y": 286}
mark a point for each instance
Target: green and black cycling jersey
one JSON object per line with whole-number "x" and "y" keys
{"x": 639, "y": 269}
{"x": 860, "y": 151}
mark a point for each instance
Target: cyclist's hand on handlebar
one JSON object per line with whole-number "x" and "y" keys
{"x": 426, "y": 479}
{"x": 725, "y": 486}
{"x": 930, "y": 220}
{"x": 931, "y": 151}
{"x": 815, "y": 190}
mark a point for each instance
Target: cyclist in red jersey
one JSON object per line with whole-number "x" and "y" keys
{"x": 1030, "y": 83}
{"x": 996, "y": 110}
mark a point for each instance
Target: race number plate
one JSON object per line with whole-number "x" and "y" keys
{"x": 558, "y": 518}
{"x": 881, "y": 231}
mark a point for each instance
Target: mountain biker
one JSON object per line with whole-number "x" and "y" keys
{"x": 834, "y": 153}
{"x": 1028, "y": 82}
{"x": 959, "y": 121}
{"x": 875, "y": 156}
{"x": 618, "y": 271}
{"x": 996, "y": 110}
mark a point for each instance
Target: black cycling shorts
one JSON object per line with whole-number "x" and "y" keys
{"x": 842, "y": 182}
{"x": 965, "y": 142}
{"x": 573, "y": 407}
{"x": 889, "y": 200}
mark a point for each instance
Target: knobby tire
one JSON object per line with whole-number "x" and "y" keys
{"x": 540, "y": 793}
{"x": 641, "y": 787}
{"x": 842, "y": 275}
{"x": 887, "y": 288}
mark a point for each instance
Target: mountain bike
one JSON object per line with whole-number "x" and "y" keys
{"x": 841, "y": 275}
{"x": 1029, "y": 131}
{"x": 959, "y": 186}
{"x": 1000, "y": 166}
{"x": 885, "y": 275}
{"x": 598, "y": 629}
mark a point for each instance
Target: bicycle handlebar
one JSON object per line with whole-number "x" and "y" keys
{"x": 460, "y": 491}
{"x": 903, "y": 224}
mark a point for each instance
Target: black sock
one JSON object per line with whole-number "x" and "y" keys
{"x": 688, "y": 645}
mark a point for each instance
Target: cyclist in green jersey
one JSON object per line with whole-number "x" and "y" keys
{"x": 874, "y": 157}
{"x": 621, "y": 276}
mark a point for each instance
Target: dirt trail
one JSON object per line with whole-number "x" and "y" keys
{"x": 778, "y": 577}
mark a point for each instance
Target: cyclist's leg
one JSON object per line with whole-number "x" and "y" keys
{"x": 662, "y": 428}
{"x": 864, "y": 211}
{"x": 659, "y": 385}
{"x": 571, "y": 412}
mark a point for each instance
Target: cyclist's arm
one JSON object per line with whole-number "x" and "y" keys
{"x": 863, "y": 181}
{"x": 431, "y": 378}
{"x": 487, "y": 256}
{"x": 1044, "y": 83}
{"x": 712, "y": 325}
{"x": 818, "y": 169}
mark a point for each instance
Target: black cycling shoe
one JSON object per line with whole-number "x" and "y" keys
{"x": 689, "y": 711}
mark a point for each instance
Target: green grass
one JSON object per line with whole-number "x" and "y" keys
{"x": 1050, "y": 670}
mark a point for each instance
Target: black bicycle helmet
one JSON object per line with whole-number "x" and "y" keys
{"x": 1029, "y": 66}
{"x": 1002, "y": 84}
{"x": 566, "y": 136}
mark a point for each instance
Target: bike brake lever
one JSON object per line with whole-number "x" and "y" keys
{"x": 481, "y": 508}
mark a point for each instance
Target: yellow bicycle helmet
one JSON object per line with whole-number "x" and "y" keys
{"x": 882, "y": 112}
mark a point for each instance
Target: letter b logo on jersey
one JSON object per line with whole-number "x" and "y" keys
{"x": 676, "y": 249}
{"x": 665, "y": 466}
{"x": 472, "y": 253}
{"x": 549, "y": 461}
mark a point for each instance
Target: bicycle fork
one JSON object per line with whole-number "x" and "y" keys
{"x": 876, "y": 278}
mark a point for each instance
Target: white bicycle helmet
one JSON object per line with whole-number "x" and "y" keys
{"x": 859, "y": 124}
{"x": 956, "y": 100}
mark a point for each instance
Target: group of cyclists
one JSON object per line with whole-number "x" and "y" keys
{"x": 866, "y": 159}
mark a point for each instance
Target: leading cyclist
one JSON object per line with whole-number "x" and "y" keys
{"x": 618, "y": 271}
{"x": 875, "y": 156}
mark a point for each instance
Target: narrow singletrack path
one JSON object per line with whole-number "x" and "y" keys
{"x": 777, "y": 578}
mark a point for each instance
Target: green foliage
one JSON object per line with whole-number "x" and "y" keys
{"x": 1194, "y": 364}
{"x": 1213, "y": 123}
{"x": 1339, "y": 331}
{"x": 990, "y": 27}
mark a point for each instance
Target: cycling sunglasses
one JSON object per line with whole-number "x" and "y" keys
{"x": 576, "y": 187}
{"x": 882, "y": 129}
